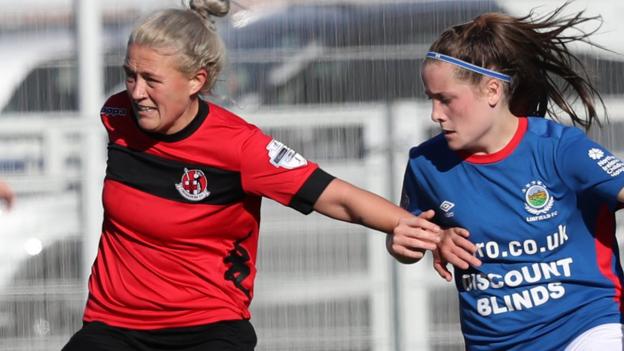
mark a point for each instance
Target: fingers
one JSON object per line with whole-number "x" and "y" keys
{"x": 442, "y": 271}
{"x": 463, "y": 232}
{"x": 10, "y": 198}
{"x": 429, "y": 214}
{"x": 426, "y": 241}
{"x": 465, "y": 250}
{"x": 6, "y": 194}
{"x": 465, "y": 244}
{"x": 456, "y": 249}
{"x": 467, "y": 257}
{"x": 440, "y": 266}
{"x": 415, "y": 237}
{"x": 416, "y": 244}
{"x": 411, "y": 237}
{"x": 8, "y": 202}
{"x": 422, "y": 221}
{"x": 457, "y": 258}
{"x": 407, "y": 255}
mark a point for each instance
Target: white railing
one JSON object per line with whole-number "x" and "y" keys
{"x": 325, "y": 275}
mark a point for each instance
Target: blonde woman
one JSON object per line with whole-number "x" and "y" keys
{"x": 176, "y": 262}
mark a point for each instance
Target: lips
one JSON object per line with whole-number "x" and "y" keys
{"x": 142, "y": 108}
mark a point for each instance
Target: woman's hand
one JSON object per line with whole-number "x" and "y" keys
{"x": 6, "y": 194}
{"x": 412, "y": 236}
{"x": 456, "y": 249}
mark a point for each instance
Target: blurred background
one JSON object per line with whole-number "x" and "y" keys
{"x": 336, "y": 80}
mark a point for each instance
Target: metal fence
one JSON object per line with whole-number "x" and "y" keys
{"x": 321, "y": 285}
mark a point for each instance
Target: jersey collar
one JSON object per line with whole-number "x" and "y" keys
{"x": 502, "y": 153}
{"x": 202, "y": 113}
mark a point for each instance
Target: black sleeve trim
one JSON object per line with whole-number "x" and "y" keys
{"x": 306, "y": 197}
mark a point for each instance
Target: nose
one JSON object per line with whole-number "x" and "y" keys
{"x": 137, "y": 88}
{"x": 436, "y": 112}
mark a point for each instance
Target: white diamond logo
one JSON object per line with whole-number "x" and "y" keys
{"x": 446, "y": 206}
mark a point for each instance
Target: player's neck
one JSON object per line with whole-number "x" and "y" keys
{"x": 498, "y": 136}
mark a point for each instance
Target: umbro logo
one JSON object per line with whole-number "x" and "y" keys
{"x": 446, "y": 206}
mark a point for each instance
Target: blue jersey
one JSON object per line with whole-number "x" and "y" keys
{"x": 541, "y": 213}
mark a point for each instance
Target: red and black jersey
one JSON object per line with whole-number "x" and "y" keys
{"x": 181, "y": 217}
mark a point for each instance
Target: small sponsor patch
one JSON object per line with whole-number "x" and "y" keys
{"x": 281, "y": 155}
{"x": 595, "y": 154}
{"x": 612, "y": 165}
{"x": 113, "y": 111}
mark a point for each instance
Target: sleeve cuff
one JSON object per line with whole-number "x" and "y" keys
{"x": 306, "y": 197}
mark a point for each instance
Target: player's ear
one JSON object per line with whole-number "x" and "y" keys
{"x": 197, "y": 81}
{"x": 494, "y": 90}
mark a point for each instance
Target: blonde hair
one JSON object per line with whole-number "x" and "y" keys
{"x": 188, "y": 33}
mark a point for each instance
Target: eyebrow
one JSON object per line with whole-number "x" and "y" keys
{"x": 429, "y": 93}
{"x": 128, "y": 69}
{"x": 145, "y": 74}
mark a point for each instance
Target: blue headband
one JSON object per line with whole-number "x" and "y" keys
{"x": 469, "y": 66}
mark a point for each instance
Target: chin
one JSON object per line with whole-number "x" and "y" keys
{"x": 454, "y": 145}
{"x": 147, "y": 125}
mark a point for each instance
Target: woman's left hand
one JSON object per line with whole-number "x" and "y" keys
{"x": 455, "y": 248}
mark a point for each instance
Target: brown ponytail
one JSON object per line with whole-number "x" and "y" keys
{"x": 535, "y": 53}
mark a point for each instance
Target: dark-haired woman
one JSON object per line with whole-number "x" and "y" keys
{"x": 176, "y": 262}
{"x": 537, "y": 197}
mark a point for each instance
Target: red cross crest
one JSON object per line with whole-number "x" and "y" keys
{"x": 193, "y": 185}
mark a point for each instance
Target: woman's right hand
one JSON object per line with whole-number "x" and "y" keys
{"x": 6, "y": 194}
{"x": 454, "y": 248}
{"x": 412, "y": 236}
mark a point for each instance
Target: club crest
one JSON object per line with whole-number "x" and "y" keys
{"x": 537, "y": 199}
{"x": 193, "y": 185}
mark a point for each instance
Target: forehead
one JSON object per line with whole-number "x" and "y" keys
{"x": 141, "y": 57}
{"x": 436, "y": 73}
{"x": 438, "y": 69}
